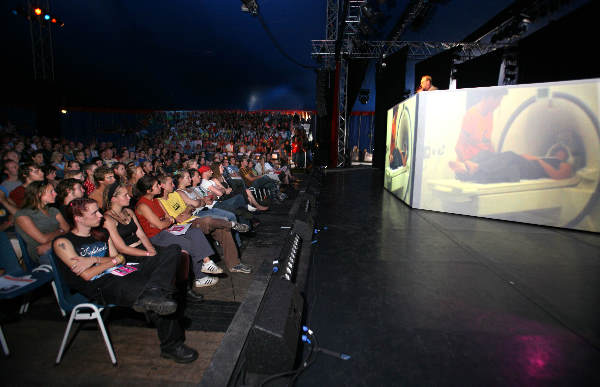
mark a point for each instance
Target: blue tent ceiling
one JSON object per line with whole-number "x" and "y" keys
{"x": 200, "y": 54}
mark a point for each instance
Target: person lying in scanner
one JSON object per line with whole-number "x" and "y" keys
{"x": 511, "y": 167}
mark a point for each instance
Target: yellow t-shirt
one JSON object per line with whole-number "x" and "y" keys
{"x": 175, "y": 206}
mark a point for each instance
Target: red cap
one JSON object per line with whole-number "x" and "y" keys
{"x": 203, "y": 169}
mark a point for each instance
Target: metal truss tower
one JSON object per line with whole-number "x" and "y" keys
{"x": 349, "y": 31}
{"x": 41, "y": 42}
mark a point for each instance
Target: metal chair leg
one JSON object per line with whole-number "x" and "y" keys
{"x": 3, "y": 342}
{"x": 66, "y": 336}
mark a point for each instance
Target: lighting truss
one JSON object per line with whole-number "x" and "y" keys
{"x": 413, "y": 10}
{"x": 324, "y": 50}
{"x": 332, "y": 19}
{"x": 342, "y": 116}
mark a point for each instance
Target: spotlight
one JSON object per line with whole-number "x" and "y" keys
{"x": 46, "y": 17}
{"x": 37, "y": 11}
{"x": 63, "y": 111}
{"x": 250, "y": 6}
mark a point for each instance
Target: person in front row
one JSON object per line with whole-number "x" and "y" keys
{"x": 85, "y": 263}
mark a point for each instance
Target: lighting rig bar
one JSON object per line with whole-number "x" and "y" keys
{"x": 413, "y": 10}
{"x": 324, "y": 50}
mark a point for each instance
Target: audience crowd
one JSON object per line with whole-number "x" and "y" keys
{"x": 98, "y": 208}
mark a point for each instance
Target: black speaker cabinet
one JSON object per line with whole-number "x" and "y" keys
{"x": 274, "y": 337}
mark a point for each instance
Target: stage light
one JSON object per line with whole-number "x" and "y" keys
{"x": 250, "y": 6}
{"x": 63, "y": 111}
{"x": 37, "y": 11}
{"x": 46, "y": 17}
{"x": 53, "y": 20}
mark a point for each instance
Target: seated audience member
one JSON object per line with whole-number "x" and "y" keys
{"x": 134, "y": 174}
{"x": 120, "y": 172}
{"x": 85, "y": 263}
{"x": 73, "y": 165}
{"x": 107, "y": 157}
{"x": 89, "y": 183}
{"x": 7, "y": 212}
{"x": 80, "y": 157}
{"x": 74, "y": 175}
{"x": 174, "y": 205}
{"x": 57, "y": 161}
{"x": 38, "y": 223}
{"x": 225, "y": 198}
{"x": 285, "y": 174}
{"x": 11, "y": 169}
{"x": 50, "y": 174}
{"x": 28, "y": 173}
{"x": 155, "y": 223}
{"x": 104, "y": 176}
{"x": 12, "y": 155}
{"x": 195, "y": 192}
{"x": 222, "y": 184}
{"x": 259, "y": 182}
{"x": 37, "y": 158}
{"x": 68, "y": 190}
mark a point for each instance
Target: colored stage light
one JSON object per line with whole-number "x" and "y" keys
{"x": 46, "y": 17}
{"x": 37, "y": 11}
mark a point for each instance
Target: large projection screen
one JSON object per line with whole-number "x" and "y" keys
{"x": 399, "y": 154}
{"x": 525, "y": 153}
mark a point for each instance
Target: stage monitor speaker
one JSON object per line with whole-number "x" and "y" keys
{"x": 274, "y": 337}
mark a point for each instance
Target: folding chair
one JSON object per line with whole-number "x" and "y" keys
{"x": 9, "y": 262}
{"x": 81, "y": 309}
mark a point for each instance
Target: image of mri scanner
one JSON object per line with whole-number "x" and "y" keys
{"x": 538, "y": 123}
{"x": 398, "y": 179}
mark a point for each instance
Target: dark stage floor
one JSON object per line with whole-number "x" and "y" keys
{"x": 420, "y": 298}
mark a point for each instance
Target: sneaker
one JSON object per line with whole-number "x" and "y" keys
{"x": 211, "y": 268}
{"x": 180, "y": 354}
{"x": 206, "y": 281}
{"x": 152, "y": 300}
{"x": 240, "y": 227}
{"x": 241, "y": 268}
{"x": 251, "y": 208}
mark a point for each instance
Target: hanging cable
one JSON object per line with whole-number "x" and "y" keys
{"x": 252, "y": 8}
{"x": 278, "y": 46}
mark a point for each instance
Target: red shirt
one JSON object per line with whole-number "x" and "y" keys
{"x": 89, "y": 187}
{"x": 154, "y": 205}
{"x": 18, "y": 195}
{"x": 476, "y": 133}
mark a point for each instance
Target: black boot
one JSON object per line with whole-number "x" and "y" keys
{"x": 180, "y": 354}
{"x": 155, "y": 300}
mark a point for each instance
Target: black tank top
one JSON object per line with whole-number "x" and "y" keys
{"x": 128, "y": 232}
